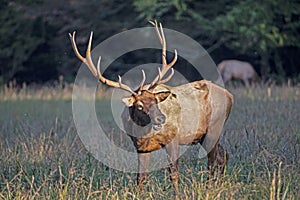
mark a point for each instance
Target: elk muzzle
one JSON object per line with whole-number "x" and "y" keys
{"x": 157, "y": 117}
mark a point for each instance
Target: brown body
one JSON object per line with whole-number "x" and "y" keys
{"x": 159, "y": 116}
{"x": 193, "y": 111}
{"x": 235, "y": 69}
{"x": 188, "y": 110}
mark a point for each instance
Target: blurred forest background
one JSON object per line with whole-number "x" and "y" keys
{"x": 34, "y": 43}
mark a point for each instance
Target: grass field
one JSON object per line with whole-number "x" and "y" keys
{"x": 42, "y": 157}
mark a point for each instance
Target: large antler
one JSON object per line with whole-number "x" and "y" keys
{"x": 97, "y": 73}
{"x": 165, "y": 66}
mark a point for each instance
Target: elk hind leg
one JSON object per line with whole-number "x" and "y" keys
{"x": 217, "y": 161}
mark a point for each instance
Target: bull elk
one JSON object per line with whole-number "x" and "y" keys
{"x": 170, "y": 116}
{"x": 235, "y": 69}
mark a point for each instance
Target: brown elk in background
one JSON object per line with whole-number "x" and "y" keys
{"x": 235, "y": 69}
{"x": 159, "y": 116}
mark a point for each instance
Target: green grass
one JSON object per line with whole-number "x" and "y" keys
{"x": 42, "y": 157}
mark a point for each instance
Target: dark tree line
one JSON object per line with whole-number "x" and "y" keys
{"x": 34, "y": 44}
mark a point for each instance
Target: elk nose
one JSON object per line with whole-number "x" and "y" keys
{"x": 161, "y": 119}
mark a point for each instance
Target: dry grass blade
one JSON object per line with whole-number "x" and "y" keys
{"x": 40, "y": 150}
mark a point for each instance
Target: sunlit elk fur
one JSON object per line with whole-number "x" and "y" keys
{"x": 159, "y": 116}
{"x": 235, "y": 69}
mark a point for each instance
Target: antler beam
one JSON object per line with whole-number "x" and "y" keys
{"x": 165, "y": 66}
{"x": 157, "y": 80}
{"x": 97, "y": 73}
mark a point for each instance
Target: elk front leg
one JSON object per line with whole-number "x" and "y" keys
{"x": 246, "y": 82}
{"x": 173, "y": 155}
{"x": 143, "y": 164}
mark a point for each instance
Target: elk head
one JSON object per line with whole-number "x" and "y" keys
{"x": 143, "y": 102}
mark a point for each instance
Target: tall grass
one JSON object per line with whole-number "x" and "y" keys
{"x": 42, "y": 157}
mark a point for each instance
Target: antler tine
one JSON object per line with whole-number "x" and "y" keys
{"x": 96, "y": 72}
{"x": 88, "y": 60}
{"x": 143, "y": 81}
{"x": 118, "y": 84}
{"x": 88, "y": 55}
{"x": 159, "y": 74}
{"x": 168, "y": 78}
{"x": 157, "y": 30}
{"x": 125, "y": 87}
{"x": 161, "y": 37}
{"x": 165, "y": 66}
{"x": 163, "y": 43}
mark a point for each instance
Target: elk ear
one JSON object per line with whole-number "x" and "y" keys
{"x": 128, "y": 101}
{"x": 161, "y": 96}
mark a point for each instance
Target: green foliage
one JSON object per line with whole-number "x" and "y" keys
{"x": 34, "y": 35}
{"x": 246, "y": 27}
{"x": 20, "y": 36}
{"x": 34, "y": 43}
{"x": 251, "y": 26}
{"x": 154, "y": 9}
{"x": 260, "y": 30}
